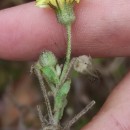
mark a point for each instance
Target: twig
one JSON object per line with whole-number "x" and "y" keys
{"x": 43, "y": 121}
{"x": 44, "y": 91}
{"x": 78, "y": 116}
{"x": 68, "y": 70}
{"x": 67, "y": 73}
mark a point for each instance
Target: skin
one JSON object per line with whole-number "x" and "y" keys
{"x": 102, "y": 29}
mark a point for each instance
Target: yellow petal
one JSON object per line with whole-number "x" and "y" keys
{"x": 53, "y": 2}
{"x": 77, "y": 1}
{"x": 61, "y": 3}
{"x": 68, "y": 1}
{"x": 56, "y": 3}
{"x": 42, "y": 3}
{"x": 42, "y": 6}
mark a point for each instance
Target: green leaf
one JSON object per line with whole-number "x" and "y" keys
{"x": 50, "y": 75}
{"x": 60, "y": 100}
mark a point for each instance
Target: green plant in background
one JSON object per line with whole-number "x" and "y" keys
{"x": 56, "y": 76}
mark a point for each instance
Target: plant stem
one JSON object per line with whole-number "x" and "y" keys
{"x": 68, "y": 52}
{"x": 41, "y": 116}
{"x": 68, "y": 71}
{"x": 44, "y": 91}
{"x": 78, "y": 116}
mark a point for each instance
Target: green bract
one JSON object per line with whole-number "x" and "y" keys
{"x": 66, "y": 15}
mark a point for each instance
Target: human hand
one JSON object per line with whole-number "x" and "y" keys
{"x": 102, "y": 29}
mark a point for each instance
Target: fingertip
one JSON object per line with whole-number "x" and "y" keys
{"x": 115, "y": 114}
{"x": 26, "y": 31}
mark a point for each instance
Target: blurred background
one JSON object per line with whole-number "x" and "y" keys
{"x": 20, "y": 92}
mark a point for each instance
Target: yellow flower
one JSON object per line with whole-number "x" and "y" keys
{"x": 57, "y": 4}
{"x": 63, "y": 9}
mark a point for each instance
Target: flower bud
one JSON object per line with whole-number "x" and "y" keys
{"x": 47, "y": 58}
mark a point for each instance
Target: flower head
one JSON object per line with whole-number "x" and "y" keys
{"x": 63, "y": 8}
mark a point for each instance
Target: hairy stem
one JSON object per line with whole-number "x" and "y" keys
{"x": 78, "y": 116}
{"x": 39, "y": 76}
{"x": 68, "y": 53}
{"x": 67, "y": 72}
{"x": 41, "y": 116}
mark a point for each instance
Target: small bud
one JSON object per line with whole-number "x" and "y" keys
{"x": 47, "y": 59}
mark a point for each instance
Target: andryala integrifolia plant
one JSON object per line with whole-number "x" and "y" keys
{"x": 50, "y": 73}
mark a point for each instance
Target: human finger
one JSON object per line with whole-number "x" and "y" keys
{"x": 115, "y": 114}
{"x": 102, "y": 29}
